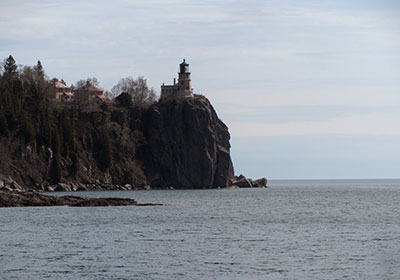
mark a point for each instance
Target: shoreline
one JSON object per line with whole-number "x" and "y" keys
{"x": 34, "y": 199}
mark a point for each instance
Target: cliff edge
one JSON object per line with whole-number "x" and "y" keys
{"x": 187, "y": 145}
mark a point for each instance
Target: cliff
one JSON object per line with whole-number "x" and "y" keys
{"x": 187, "y": 145}
{"x": 174, "y": 143}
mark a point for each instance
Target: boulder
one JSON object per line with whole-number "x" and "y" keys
{"x": 260, "y": 183}
{"x": 62, "y": 187}
{"x": 82, "y": 187}
{"x": 74, "y": 187}
{"x": 128, "y": 187}
{"x": 242, "y": 182}
{"x": 8, "y": 183}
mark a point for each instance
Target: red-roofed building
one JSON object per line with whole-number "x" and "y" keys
{"x": 101, "y": 97}
{"x": 88, "y": 93}
{"x": 61, "y": 91}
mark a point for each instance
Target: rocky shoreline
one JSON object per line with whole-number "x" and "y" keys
{"x": 13, "y": 195}
{"x": 30, "y": 198}
{"x": 9, "y": 184}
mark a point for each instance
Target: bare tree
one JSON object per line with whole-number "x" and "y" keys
{"x": 89, "y": 81}
{"x": 140, "y": 93}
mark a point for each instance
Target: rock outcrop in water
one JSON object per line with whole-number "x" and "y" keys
{"x": 243, "y": 182}
{"x": 21, "y": 199}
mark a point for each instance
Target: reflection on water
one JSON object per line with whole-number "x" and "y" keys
{"x": 294, "y": 230}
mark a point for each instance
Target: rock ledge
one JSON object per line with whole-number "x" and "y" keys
{"x": 23, "y": 199}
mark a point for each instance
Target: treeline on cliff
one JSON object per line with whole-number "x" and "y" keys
{"x": 46, "y": 141}
{"x": 133, "y": 142}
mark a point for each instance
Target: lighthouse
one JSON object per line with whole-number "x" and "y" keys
{"x": 182, "y": 88}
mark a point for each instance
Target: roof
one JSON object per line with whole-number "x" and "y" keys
{"x": 93, "y": 88}
{"x": 58, "y": 84}
{"x": 101, "y": 96}
{"x": 184, "y": 62}
{"x": 69, "y": 93}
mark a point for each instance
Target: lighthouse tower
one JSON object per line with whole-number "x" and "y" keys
{"x": 184, "y": 80}
{"x": 182, "y": 88}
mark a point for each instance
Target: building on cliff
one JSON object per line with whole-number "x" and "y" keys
{"x": 182, "y": 88}
{"x": 88, "y": 94}
{"x": 61, "y": 91}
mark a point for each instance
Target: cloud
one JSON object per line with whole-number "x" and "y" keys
{"x": 379, "y": 123}
{"x": 293, "y": 114}
{"x": 280, "y": 70}
{"x": 258, "y": 53}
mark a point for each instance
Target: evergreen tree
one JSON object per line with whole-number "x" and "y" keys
{"x": 28, "y": 130}
{"x": 11, "y": 119}
{"x": 10, "y": 68}
{"x": 39, "y": 69}
{"x": 3, "y": 124}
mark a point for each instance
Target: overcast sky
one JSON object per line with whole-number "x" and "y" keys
{"x": 309, "y": 89}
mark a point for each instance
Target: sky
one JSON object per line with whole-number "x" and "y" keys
{"x": 309, "y": 89}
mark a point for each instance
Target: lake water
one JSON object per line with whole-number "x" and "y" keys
{"x": 342, "y": 229}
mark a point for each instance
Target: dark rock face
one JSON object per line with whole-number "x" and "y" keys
{"x": 172, "y": 144}
{"x": 187, "y": 145}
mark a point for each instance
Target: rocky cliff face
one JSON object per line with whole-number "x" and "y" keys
{"x": 174, "y": 143}
{"x": 187, "y": 145}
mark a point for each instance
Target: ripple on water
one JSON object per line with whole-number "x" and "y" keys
{"x": 295, "y": 230}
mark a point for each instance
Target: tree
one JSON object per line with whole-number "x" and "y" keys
{"x": 124, "y": 100}
{"x": 3, "y": 124}
{"x": 104, "y": 107}
{"x": 140, "y": 93}
{"x": 40, "y": 76}
{"x": 10, "y": 68}
{"x": 45, "y": 134}
{"x": 108, "y": 94}
{"x": 89, "y": 81}
{"x": 28, "y": 129}
{"x": 39, "y": 69}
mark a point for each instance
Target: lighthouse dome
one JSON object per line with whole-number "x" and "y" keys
{"x": 184, "y": 67}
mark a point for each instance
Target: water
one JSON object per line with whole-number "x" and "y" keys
{"x": 294, "y": 230}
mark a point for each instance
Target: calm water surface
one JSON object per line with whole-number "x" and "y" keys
{"x": 293, "y": 230}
